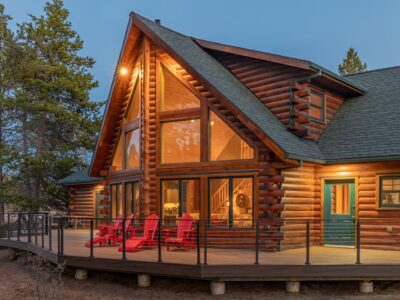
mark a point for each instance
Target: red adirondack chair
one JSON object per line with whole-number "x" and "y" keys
{"x": 147, "y": 240}
{"x": 184, "y": 235}
{"x": 104, "y": 230}
{"x": 115, "y": 235}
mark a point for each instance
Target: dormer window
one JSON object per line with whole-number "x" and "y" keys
{"x": 317, "y": 106}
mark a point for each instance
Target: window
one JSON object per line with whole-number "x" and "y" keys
{"x": 389, "y": 191}
{"x": 132, "y": 149}
{"x": 134, "y": 105}
{"x": 317, "y": 106}
{"x": 132, "y": 199}
{"x": 224, "y": 143}
{"x": 180, "y": 196}
{"x": 340, "y": 196}
{"x": 174, "y": 95}
{"x": 180, "y": 141}
{"x": 231, "y": 201}
{"x": 127, "y": 152}
{"x": 117, "y": 160}
{"x": 117, "y": 206}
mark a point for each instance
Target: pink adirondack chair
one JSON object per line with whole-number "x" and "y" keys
{"x": 184, "y": 234}
{"x": 115, "y": 235}
{"x": 104, "y": 230}
{"x": 147, "y": 240}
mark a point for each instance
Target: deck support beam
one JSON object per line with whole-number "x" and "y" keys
{"x": 366, "y": 287}
{"x": 143, "y": 280}
{"x": 293, "y": 286}
{"x": 217, "y": 288}
{"x": 81, "y": 274}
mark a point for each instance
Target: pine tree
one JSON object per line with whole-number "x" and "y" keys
{"x": 352, "y": 63}
{"x": 55, "y": 117}
{"x": 7, "y": 153}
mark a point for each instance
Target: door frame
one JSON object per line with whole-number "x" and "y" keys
{"x": 322, "y": 200}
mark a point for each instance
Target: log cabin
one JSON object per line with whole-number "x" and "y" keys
{"x": 233, "y": 135}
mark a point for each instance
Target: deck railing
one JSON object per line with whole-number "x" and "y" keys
{"x": 263, "y": 241}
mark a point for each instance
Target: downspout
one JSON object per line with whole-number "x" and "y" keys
{"x": 292, "y": 98}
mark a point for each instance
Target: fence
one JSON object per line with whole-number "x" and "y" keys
{"x": 204, "y": 242}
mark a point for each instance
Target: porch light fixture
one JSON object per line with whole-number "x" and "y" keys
{"x": 123, "y": 71}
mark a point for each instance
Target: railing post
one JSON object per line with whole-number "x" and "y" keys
{"x": 123, "y": 239}
{"x": 62, "y": 236}
{"x": 358, "y": 262}
{"x": 308, "y": 243}
{"x": 257, "y": 242}
{"x": 43, "y": 229}
{"x": 29, "y": 228}
{"x": 19, "y": 227}
{"x": 91, "y": 237}
{"x": 50, "y": 232}
{"x": 159, "y": 241}
{"x": 8, "y": 226}
{"x": 59, "y": 237}
{"x": 205, "y": 242}
{"x": 198, "y": 242}
{"x": 36, "y": 229}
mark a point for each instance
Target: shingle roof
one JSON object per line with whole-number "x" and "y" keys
{"x": 367, "y": 127}
{"x": 79, "y": 177}
{"x": 232, "y": 89}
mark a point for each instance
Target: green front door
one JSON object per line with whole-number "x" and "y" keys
{"x": 339, "y": 222}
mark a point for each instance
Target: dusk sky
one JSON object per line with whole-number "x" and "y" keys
{"x": 320, "y": 31}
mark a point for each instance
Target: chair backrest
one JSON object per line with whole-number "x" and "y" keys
{"x": 118, "y": 221}
{"x": 129, "y": 221}
{"x": 184, "y": 225}
{"x": 150, "y": 226}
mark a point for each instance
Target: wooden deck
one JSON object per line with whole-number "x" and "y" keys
{"x": 327, "y": 263}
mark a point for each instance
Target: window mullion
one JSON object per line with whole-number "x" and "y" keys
{"x": 230, "y": 202}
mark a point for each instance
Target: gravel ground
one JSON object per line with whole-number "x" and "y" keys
{"x": 19, "y": 281}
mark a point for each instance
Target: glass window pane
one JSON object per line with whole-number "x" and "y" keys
{"x": 191, "y": 198}
{"x": 242, "y": 202}
{"x": 137, "y": 202}
{"x": 225, "y": 144}
{"x": 315, "y": 113}
{"x": 340, "y": 199}
{"x": 316, "y": 99}
{"x": 117, "y": 160}
{"x": 170, "y": 201}
{"x": 116, "y": 200}
{"x": 113, "y": 201}
{"x": 129, "y": 199}
{"x": 132, "y": 148}
{"x": 174, "y": 94}
{"x": 219, "y": 201}
{"x": 390, "y": 195}
{"x": 180, "y": 141}
{"x": 134, "y": 105}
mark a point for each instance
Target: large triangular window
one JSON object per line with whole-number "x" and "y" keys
{"x": 174, "y": 95}
{"x": 224, "y": 143}
{"x": 117, "y": 159}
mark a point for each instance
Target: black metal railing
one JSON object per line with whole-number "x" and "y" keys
{"x": 207, "y": 242}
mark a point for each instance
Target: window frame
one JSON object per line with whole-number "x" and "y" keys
{"x": 231, "y": 217}
{"x": 202, "y": 113}
{"x": 180, "y": 197}
{"x": 379, "y": 197}
{"x": 119, "y": 197}
{"x": 322, "y": 107}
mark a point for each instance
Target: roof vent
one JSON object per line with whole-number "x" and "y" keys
{"x": 158, "y": 21}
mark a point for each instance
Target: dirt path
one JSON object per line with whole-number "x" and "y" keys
{"x": 17, "y": 281}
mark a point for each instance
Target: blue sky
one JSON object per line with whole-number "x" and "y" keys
{"x": 316, "y": 30}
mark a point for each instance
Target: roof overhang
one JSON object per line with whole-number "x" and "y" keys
{"x": 328, "y": 78}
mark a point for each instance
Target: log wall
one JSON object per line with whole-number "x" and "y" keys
{"x": 272, "y": 84}
{"x": 83, "y": 199}
{"x": 303, "y": 195}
